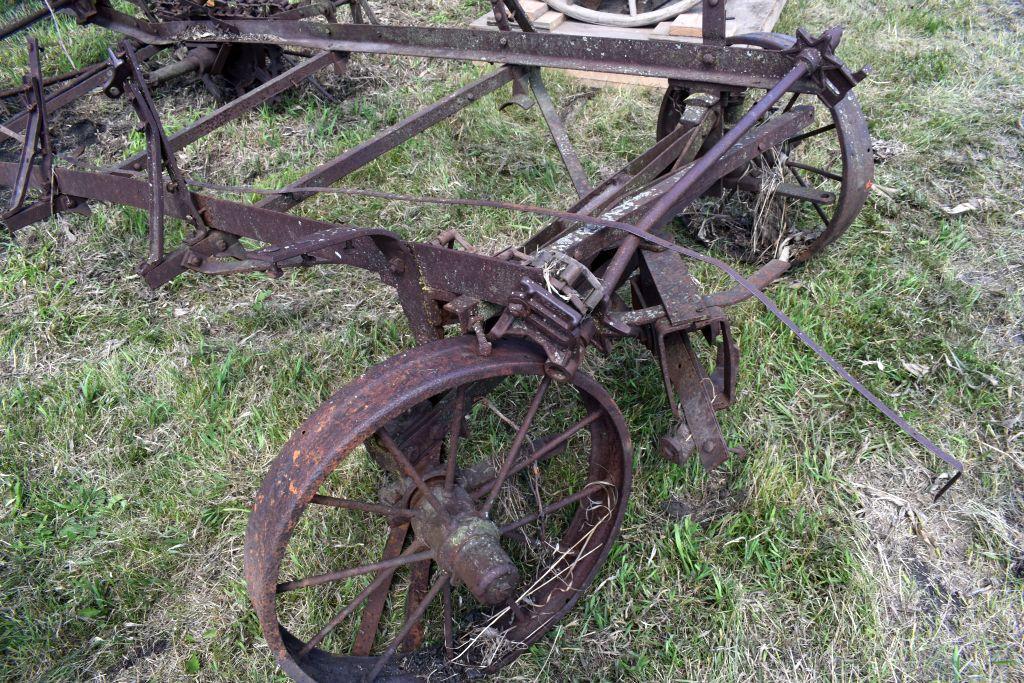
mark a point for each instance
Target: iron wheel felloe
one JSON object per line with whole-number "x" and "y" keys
{"x": 381, "y": 546}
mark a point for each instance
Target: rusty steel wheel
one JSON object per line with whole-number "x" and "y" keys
{"x": 436, "y": 516}
{"x": 799, "y": 197}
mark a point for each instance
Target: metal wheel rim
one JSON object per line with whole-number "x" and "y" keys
{"x": 293, "y": 479}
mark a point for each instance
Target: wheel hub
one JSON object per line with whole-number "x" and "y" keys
{"x": 467, "y": 545}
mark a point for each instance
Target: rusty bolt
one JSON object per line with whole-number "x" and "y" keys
{"x": 396, "y": 265}
{"x": 503, "y": 41}
{"x": 220, "y": 243}
{"x": 708, "y": 58}
{"x": 708, "y": 446}
{"x": 676, "y": 450}
{"x": 192, "y": 260}
{"x": 712, "y": 3}
{"x": 517, "y": 309}
{"x": 172, "y": 186}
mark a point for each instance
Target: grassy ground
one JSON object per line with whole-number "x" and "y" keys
{"x": 137, "y": 425}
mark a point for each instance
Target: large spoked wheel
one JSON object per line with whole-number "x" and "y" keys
{"x": 795, "y": 199}
{"x": 436, "y": 516}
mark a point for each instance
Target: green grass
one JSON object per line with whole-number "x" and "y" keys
{"x": 137, "y": 425}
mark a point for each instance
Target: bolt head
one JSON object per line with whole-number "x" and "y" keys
{"x": 708, "y": 58}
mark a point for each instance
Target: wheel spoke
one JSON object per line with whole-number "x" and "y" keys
{"x": 453, "y": 437}
{"x": 369, "y": 619}
{"x": 545, "y": 450}
{"x": 809, "y": 134}
{"x": 346, "y": 504}
{"x": 554, "y": 507}
{"x": 517, "y": 443}
{"x": 501, "y": 416}
{"x": 817, "y": 171}
{"x": 410, "y": 622}
{"x": 407, "y": 468}
{"x": 344, "y": 614}
{"x": 405, "y": 558}
{"x": 419, "y": 580}
{"x": 449, "y": 623}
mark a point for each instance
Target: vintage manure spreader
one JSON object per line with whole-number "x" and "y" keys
{"x": 442, "y": 512}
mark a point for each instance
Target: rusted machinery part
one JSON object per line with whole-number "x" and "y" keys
{"x": 847, "y": 131}
{"x": 412, "y": 395}
{"x": 666, "y": 13}
{"x": 170, "y": 10}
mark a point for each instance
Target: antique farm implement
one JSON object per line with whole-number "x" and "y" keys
{"x": 441, "y": 513}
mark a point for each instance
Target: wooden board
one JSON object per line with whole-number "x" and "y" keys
{"x": 742, "y": 16}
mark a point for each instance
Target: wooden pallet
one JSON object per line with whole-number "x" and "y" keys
{"x": 743, "y": 16}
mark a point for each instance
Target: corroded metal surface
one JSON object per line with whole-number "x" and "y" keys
{"x": 525, "y": 316}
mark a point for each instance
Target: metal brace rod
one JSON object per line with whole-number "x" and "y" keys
{"x": 559, "y": 134}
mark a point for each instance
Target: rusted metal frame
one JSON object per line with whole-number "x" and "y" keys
{"x": 727, "y": 363}
{"x": 687, "y": 383}
{"x": 128, "y": 74}
{"x": 74, "y": 90}
{"x": 250, "y": 100}
{"x": 765, "y": 276}
{"x": 486, "y": 278}
{"x": 389, "y": 138}
{"x": 641, "y": 170}
{"x": 737, "y": 67}
{"x": 54, "y": 80}
{"x": 517, "y": 12}
{"x": 586, "y": 243}
{"x": 559, "y": 134}
{"x": 36, "y": 143}
{"x": 347, "y": 163}
{"x": 664, "y": 279}
{"x": 668, "y": 204}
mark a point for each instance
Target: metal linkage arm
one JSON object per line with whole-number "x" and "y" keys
{"x": 36, "y": 141}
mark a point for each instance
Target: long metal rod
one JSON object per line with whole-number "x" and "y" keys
{"x": 664, "y": 208}
{"x": 517, "y": 443}
{"x": 237, "y": 107}
{"x": 559, "y": 134}
{"x": 389, "y": 138}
